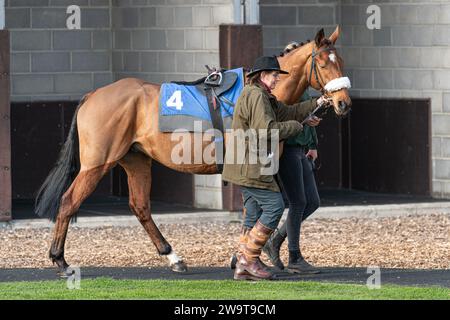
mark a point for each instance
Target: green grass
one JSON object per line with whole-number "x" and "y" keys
{"x": 106, "y": 288}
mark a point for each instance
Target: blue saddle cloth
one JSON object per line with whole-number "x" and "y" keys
{"x": 181, "y": 105}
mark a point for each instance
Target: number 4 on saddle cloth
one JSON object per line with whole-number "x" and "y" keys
{"x": 182, "y": 103}
{"x": 202, "y": 105}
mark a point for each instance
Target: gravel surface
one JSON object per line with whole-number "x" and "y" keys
{"x": 420, "y": 241}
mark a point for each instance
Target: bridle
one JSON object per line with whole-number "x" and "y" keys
{"x": 331, "y": 86}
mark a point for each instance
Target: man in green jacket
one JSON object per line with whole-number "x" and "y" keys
{"x": 263, "y": 121}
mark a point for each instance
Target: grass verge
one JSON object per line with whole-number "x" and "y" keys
{"x": 107, "y": 288}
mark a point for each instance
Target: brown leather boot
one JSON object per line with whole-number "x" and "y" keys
{"x": 241, "y": 246}
{"x": 249, "y": 266}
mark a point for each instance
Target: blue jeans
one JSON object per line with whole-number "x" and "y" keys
{"x": 299, "y": 185}
{"x": 264, "y": 205}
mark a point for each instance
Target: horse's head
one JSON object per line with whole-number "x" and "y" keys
{"x": 324, "y": 68}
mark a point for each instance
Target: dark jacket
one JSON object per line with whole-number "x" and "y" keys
{"x": 308, "y": 137}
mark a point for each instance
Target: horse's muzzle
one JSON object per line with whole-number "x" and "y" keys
{"x": 344, "y": 109}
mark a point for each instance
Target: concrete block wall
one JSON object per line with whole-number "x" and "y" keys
{"x": 208, "y": 191}
{"x": 161, "y": 41}
{"x": 405, "y": 58}
{"x": 50, "y": 62}
{"x": 155, "y": 40}
{"x": 2, "y": 14}
{"x": 285, "y": 21}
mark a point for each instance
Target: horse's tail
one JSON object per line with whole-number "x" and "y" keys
{"x": 62, "y": 175}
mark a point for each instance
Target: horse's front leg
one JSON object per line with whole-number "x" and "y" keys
{"x": 138, "y": 169}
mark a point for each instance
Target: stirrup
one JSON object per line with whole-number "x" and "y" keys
{"x": 211, "y": 79}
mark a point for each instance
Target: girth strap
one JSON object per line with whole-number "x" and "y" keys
{"x": 217, "y": 123}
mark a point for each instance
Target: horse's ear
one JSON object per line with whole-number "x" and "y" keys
{"x": 335, "y": 35}
{"x": 319, "y": 37}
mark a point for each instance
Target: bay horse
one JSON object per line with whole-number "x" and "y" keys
{"x": 118, "y": 124}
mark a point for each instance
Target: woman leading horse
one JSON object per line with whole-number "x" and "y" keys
{"x": 258, "y": 110}
{"x": 118, "y": 125}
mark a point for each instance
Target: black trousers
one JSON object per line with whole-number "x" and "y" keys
{"x": 299, "y": 186}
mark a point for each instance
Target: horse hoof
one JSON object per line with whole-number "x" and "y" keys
{"x": 65, "y": 272}
{"x": 179, "y": 266}
{"x": 233, "y": 262}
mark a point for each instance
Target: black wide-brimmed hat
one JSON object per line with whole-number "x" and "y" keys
{"x": 266, "y": 63}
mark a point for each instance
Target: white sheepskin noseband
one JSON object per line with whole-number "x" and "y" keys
{"x": 338, "y": 84}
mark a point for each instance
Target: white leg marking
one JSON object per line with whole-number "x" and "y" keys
{"x": 173, "y": 258}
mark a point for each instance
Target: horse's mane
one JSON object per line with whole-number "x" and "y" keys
{"x": 293, "y": 45}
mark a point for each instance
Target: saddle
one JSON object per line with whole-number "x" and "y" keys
{"x": 219, "y": 80}
{"x": 215, "y": 84}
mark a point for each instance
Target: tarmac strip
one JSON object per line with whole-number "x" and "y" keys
{"x": 404, "y": 277}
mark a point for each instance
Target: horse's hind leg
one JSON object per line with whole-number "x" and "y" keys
{"x": 138, "y": 169}
{"x": 83, "y": 185}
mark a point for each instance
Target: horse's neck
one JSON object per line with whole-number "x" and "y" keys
{"x": 291, "y": 87}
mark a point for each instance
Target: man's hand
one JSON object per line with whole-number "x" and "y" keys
{"x": 312, "y": 154}
{"x": 325, "y": 101}
{"x": 313, "y": 121}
